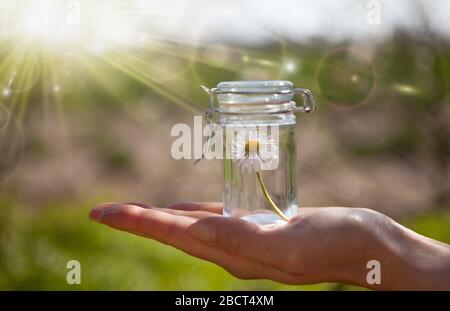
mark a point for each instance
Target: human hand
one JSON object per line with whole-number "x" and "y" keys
{"x": 319, "y": 245}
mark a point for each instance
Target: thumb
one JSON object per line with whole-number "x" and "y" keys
{"x": 233, "y": 235}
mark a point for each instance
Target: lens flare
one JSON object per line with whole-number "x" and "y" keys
{"x": 67, "y": 25}
{"x": 59, "y": 47}
{"x": 406, "y": 89}
{"x": 18, "y": 71}
{"x": 4, "y": 117}
{"x": 345, "y": 77}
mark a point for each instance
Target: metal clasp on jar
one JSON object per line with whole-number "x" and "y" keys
{"x": 309, "y": 104}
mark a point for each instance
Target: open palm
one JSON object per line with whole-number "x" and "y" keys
{"x": 318, "y": 245}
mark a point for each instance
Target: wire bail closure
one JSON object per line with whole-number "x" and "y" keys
{"x": 214, "y": 114}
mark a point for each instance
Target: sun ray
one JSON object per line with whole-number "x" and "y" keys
{"x": 147, "y": 80}
{"x": 107, "y": 47}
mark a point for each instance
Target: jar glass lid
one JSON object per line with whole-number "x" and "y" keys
{"x": 269, "y": 86}
{"x": 265, "y": 96}
{"x": 253, "y": 92}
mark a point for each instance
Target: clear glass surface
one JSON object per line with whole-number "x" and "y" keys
{"x": 264, "y": 195}
{"x": 242, "y": 194}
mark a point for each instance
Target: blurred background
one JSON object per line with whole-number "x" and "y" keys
{"x": 89, "y": 92}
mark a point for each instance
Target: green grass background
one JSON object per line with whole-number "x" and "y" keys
{"x": 35, "y": 247}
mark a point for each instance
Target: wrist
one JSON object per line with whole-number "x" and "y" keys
{"x": 403, "y": 259}
{"x": 368, "y": 252}
{"x": 415, "y": 262}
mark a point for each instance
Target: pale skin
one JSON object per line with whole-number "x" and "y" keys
{"x": 331, "y": 244}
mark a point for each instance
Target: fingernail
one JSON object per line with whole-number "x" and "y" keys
{"x": 203, "y": 232}
{"x": 96, "y": 213}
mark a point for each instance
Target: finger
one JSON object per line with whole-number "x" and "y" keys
{"x": 140, "y": 204}
{"x": 166, "y": 228}
{"x": 242, "y": 238}
{"x": 188, "y": 212}
{"x": 95, "y": 213}
{"x": 172, "y": 230}
{"x": 212, "y": 207}
{"x": 192, "y": 214}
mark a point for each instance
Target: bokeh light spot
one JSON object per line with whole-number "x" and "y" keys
{"x": 290, "y": 66}
{"x": 345, "y": 77}
{"x": 406, "y": 89}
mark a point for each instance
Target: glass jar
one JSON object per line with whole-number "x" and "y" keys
{"x": 259, "y": 147}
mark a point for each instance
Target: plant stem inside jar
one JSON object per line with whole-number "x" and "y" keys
{"x": 269, "y": 199}
{"x": 253, "y": 198}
